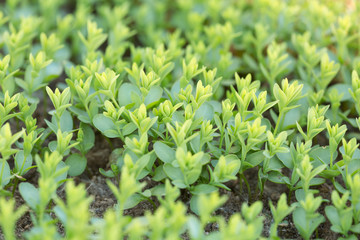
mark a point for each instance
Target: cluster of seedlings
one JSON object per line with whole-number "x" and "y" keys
{"x": 197, "y": 98}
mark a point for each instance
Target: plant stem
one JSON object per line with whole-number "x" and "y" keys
{"x": 152, "y": 203}
{"x": 279, "y": 121}
{"x": 289, "y": 196}
{"x": 248, "y": 187}
{"x": 110, "y": 143}
{"x": 15, "y": 186}
{"x": 221, "y": 137}
{"x": 45, "y": 102}
{"x": 331, "y": 158}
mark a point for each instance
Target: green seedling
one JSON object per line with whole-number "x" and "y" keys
{"x": 341, "y": 216}
{"x": 306, "y": 218}
{"x": 8, "y": 217}
{"x": 279, "y": 213}
{"x": 287, "y": 97}
{"x": 188, "y": 96}
{"x": 74, "y": 213}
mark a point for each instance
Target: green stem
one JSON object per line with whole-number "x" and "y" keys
{"x": 45, "y": 102}
{"x": 346, "y": 172}
{"x": 58, "y": 122}
{"x": 15, "y": 186}
{"x": 289, "y": 196}
{"x": 17, "y": 124}
{"x": 279, "y": 121}
{"x": 221, "y": 138}
{"x": 331, "y": 158}
{"x": 152, "y": 203}
{"x": 248, "y": 187}
{"x": 273, "y": 230}
{"x": 110, "y": 143}
{"x": 262, "y": 187}
{"x": 115, "y": 103}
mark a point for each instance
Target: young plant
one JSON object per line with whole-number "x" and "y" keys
{"x": 279, "y": 213}
{"x": 9, "y": 216}
{"x": 52, "y": 174}
{"x": 273, "y": 146}
{"x": 6, "y": 151}
{"x": 287, "y": 97}
{"x": 74, "y": 214}
{"x": 341, "y": 216}
{"x": 306, "y": 218}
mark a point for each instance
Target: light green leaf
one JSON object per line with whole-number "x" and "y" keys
{"x": 30, "y": 194}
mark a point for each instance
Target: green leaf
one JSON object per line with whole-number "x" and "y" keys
{"x": 133, "y": 200}
{"x": 354, "y": 166}
{"x": 203, "y": 189}
{"x": 66, "y": 122}
{"x": 275, "y": 164}
{"x": 61, "y": 167}
{"x": 342, "y": 88}
{"x": 89, "y": 137}
{"x": 194, "y": 204}
{"x": 355, "y": 228}
{"x": 179, "y": 183}
{"x": 128, "y": 129}
{"x": 205, "y": 112}
{"x": 5, "y": 179}
{"x": 316, "y": 181}
{"x": 158, "y": 191}
{"x": 153, "y": 95}
{"x": 77, "y": 164}
{"x": 111, "y": 133}
{"x": 321, "y": 155}
{"x": 255, "y": 158}
{"x": 286, "y": 159}
{"x": 276, "y": 177}
{"x": 108, "y": 173}
{"x": 51, "y": 125}
{"x": 125, "y": 92}
{"x": 30, "y": 194}
{"x": 329, "y": 173}
{"x": 164, "y": 152}
{"x": 291, "y": 118}
{"x": 173, "y": 172}
{"x": 81, "y": 114}
{"x": 195, "y": 144}
{"x": 22, "y": 164}
{"x": 60, "y": 213}
{"x": 159, "y": 174}
{"x": 194, "y": 226}
{"x": 105, "y": 125}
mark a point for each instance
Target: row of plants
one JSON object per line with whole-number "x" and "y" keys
{"x": 176, "y": 83}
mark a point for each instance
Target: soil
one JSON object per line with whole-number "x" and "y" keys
{"x": 96, "y": 187}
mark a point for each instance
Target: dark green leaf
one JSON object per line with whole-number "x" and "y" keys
{"x": 77, "y": 164}
{"x": 203, "y": 189}
{"x": 164, "y": 152}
